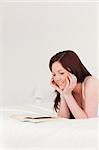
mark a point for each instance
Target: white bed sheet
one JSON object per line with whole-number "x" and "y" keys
{"x": 61, "y": 133}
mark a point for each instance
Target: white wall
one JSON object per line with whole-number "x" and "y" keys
{"x": 32, "y": 33}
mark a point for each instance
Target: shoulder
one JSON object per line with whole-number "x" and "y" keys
{"x": 91, "y": 85}
{"x": 91, "y": 98}
{"x": 91, "y": 80}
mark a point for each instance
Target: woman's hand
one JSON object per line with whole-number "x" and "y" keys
{"x": 70, "y": 85}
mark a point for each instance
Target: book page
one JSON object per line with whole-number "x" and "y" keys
{"x": 32, "y": 118}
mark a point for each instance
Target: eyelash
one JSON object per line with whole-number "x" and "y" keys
{"x": 59, "y": 73}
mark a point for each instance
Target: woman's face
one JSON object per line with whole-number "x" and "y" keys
{"x": 59, "y": 75}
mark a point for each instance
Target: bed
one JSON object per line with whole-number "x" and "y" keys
{"x": 57, "y": 134}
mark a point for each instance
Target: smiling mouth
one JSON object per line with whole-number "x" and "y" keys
{"x": 60, "y": 84}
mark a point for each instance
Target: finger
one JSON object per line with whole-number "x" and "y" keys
{"x": 73, "y": 79}
{"x": 70, "y": 79}
{"x": 67, "y": 81}
{"x": 52, "y": 79}
{"x": 58, "y": 89}
{"x": 54, "y": 85}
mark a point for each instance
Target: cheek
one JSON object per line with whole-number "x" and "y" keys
{"x": 65, "y": 81}
{"x": 65, "y": 78}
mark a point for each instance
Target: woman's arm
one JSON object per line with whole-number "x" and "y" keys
{"x": 76, "y": 110}
{"x": 63, "y": 109}
{"x": 91, "y": 93}
{"x": 90, "y": 101}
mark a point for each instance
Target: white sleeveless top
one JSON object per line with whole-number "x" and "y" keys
{"x": 84, "y": 95}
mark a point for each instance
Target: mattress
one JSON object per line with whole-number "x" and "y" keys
{"x": 56, "y": 134}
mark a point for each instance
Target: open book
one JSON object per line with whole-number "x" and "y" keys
{"x": 33, "y": 118}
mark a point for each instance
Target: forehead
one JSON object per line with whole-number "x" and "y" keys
{"x": 56, "y": 66}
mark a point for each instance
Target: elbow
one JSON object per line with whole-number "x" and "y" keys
{"x": 90, "y": 115}
{"x": 66, "y": 116}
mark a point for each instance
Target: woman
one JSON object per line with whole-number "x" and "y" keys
{"x": 77, "y": 90}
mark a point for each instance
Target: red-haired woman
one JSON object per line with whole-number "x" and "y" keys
{"x": 77, "y": 90}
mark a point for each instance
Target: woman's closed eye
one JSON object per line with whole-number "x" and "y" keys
{"x": 61, "y": 73}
